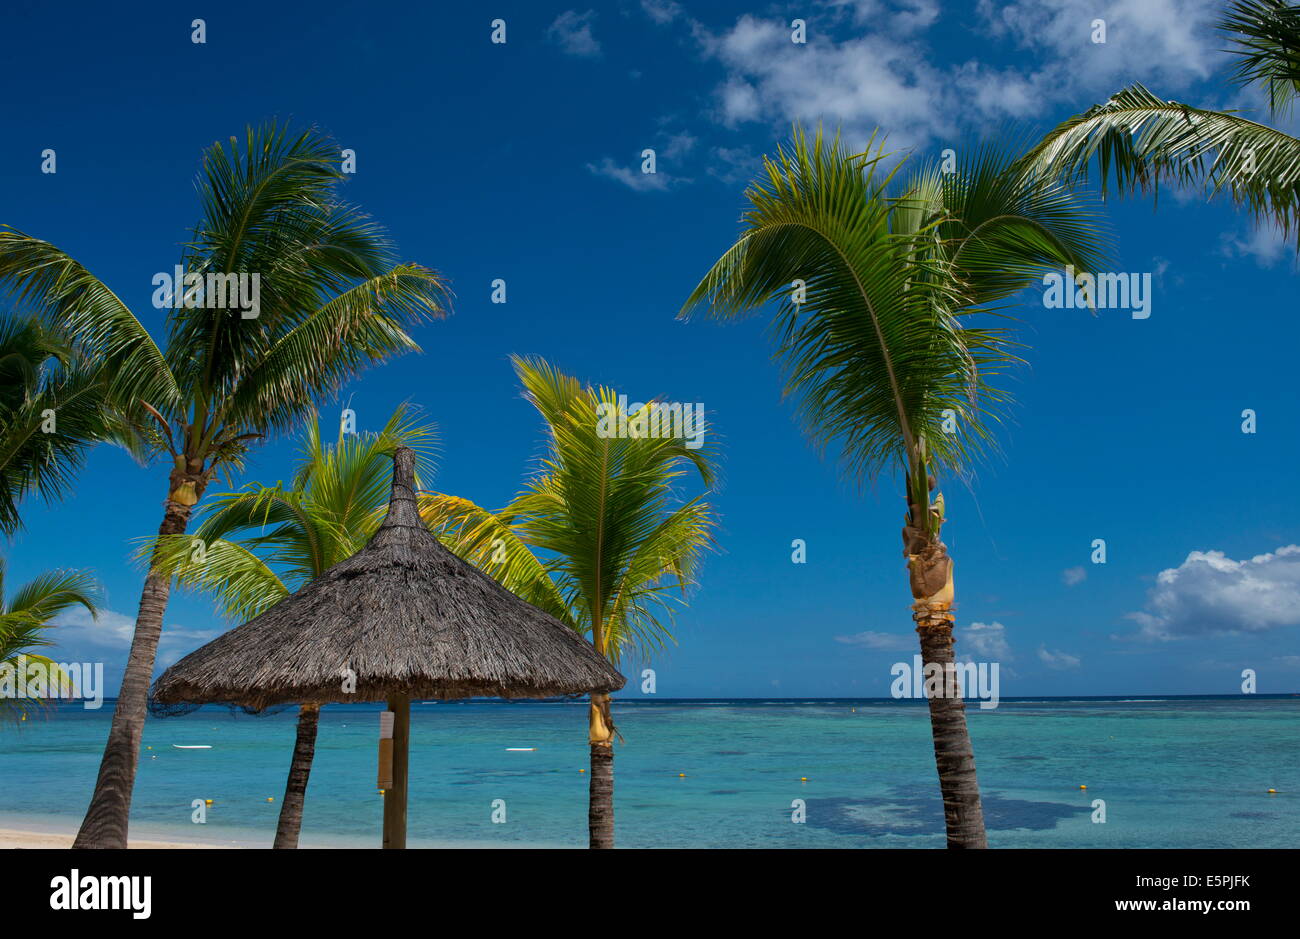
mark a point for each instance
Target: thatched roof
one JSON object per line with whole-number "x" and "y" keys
{"x": 406, "y": 616}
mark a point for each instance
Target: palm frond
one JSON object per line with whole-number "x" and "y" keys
{"x": 239, "y": 582}
{"x": 1135, "y": 141}
{"x": 52, "y": 412}
{"x": 873, "y": 353}
{"x": 25, "y": 626}
{"x": 254, "y": 545}
{"x": 362, "y": 326}
{"x": 80, "y": 306}
{"x": 1266, "y": 38}
{"x": 599, "y": 509}
{"x": 49, "y": 594}
{"x": 490, "y": 542}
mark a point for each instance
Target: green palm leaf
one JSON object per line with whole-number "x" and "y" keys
{"x": 256, "y": 545}
{"x": 52, "y": 408}
{"x": 1136, "y": 141}
{"x": 490, "y": 542}
{"x": 1266, "y": 38}
{"x": 877, "y": 353}
{"x": 241, "y": 584}
{"x": 25, "y": 621}
{"x": 598, "y": 536}
{"x": 364, "y": 325}
{"x": 83, "y": 308}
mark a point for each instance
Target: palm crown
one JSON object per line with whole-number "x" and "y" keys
{"x": 331, "y": 300}
{"x": 886, "y": 349}
{"x": 599, "y": 537}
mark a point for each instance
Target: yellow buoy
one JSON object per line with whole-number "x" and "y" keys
{"x": 683, "y": 775}
{"x": 207, "y": 801}
{"x": 269, "y": 799}
{"x": 1272, "y": 790}
{"x": 582, "y": 770}
{"x": 803, "y": 779}
{"x": 1083, "y": 787}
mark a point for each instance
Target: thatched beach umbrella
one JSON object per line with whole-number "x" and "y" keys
{"x": 402, "y": 618}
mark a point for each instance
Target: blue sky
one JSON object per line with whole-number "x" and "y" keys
{"x": 521, "y": 161}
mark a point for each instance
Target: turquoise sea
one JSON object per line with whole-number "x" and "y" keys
{"x": 1172, "y": 772}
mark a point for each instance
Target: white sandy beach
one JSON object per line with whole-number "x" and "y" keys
{"x": 16, "y": 838}
{"x": 48, "y": 831}
{"x": 52, "y": 832}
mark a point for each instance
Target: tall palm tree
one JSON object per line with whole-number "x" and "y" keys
{"x": 1137, "y": 139}
{"x": 883, "y": 346}
{"x": 26, "y": 617}
{"x": 334, "y": 505}
{"x": 52, "y": 407}
{"x": 598, "y": 538}
{"x": 332, "y": 301}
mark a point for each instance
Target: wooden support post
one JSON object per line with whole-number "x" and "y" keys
{"x": 395, "y": 798}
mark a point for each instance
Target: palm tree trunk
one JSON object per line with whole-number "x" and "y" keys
{"x": 295, "y": 789}
{"x": 106, "y": 820}
{"x": 954, "y": 757}
{"x": 930, "y": 576}
{"x": 600, "y": 797}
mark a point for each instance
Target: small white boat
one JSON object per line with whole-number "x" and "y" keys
{"x": 519, "y": 749}
{"x": 192, "y": 746}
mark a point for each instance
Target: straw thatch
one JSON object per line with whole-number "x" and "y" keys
{"x": 406, "y": 616}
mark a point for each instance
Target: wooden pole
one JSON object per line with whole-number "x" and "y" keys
{"x": 395, "y": 798}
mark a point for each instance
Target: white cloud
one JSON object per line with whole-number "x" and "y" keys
{"x": 902, "y": 16}
{"x": 115, "y": 630}
{"x": 1211, "y": 594}
{"x": 987, "y": 641}
{"x": 734, "y": 164}
{"x": 1057, "y": 659}
{"x": 634, "y": 179}
{"x": 1166, "y": 42}
{"x": 857, "y": 83}
{"x": 893, "y": 642}
{"x": 1265, "y": 243}
{"x": 661, "y": 11}
{"x": 571, "y": 31}
{"x": 1073, "y": 575}
{"x": 881, "y": 72}
{"x": 678, "y": 145}
{"x": 110, "y": 629}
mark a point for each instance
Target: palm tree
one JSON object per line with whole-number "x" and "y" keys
{"x": 24, "y": 619}
{"x": 52, "y": 407}
{"x": 334, "y": 505}
{"x": 1139, "y": 139}
{"x": 598, "y": 538}
{"x": 330, "y": 302}
{"x": 877, "y": 328}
